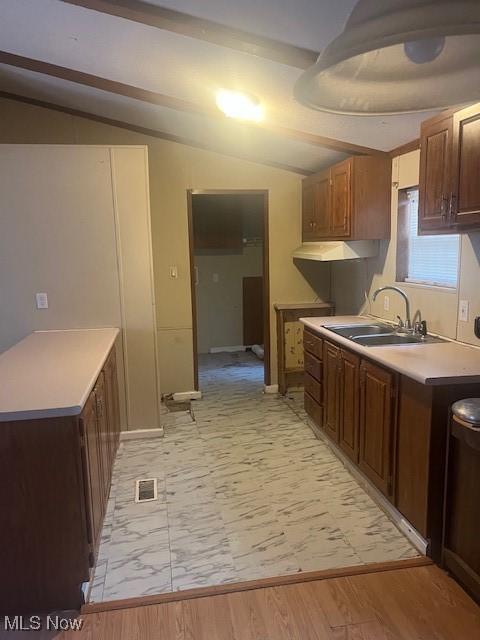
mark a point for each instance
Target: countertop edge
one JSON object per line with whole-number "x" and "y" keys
{"x": 376, "y": 356}
{"x": 67, "y": 411}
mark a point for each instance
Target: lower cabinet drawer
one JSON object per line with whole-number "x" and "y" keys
{"x": 313, "y": 388}
{"x": 313, "y": 366}
{"x": 312, "y": 343}
{"x": 313, "y": 409}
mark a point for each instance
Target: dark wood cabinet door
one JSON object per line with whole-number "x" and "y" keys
{"x": 349, "y": 398}
{"x": 341, "y": 199}
{"x": 376, "y": 425}
{"x": 103, "y": 434}
{"x": 435, "y": 176}
{"x": 316, "y": 207}
{"x": 308, "y": 204}
{"x": 331, "y": 377}
{"x": 112, "y": 404}
{"x": 466, "y": 167}
{"x": 92, "y": 469}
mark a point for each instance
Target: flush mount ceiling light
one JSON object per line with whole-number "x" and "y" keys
{"x": 398, "y": 56}
{"x": 235, "y": 104}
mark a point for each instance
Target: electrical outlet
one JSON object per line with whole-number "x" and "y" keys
{"x": 42, "y": 300}
{"x": 386, "y": 303}
{"x": 173, "y": 272}
{"x": 463, "y": 310}
{"x": 216, "y": 277}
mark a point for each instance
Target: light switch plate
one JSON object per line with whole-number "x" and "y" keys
{"x": 216, "y": 277}
{"x": 42, "y": 300}
{"x": 463, "y": 310}
{"x": 386, "y": 303}
{"x": 173, "y": 272}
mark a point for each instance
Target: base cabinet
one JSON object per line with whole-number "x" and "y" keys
{"x": 391, "y": 427}
{"x": 377, "y": 393}
{"x": 56, "y": 478}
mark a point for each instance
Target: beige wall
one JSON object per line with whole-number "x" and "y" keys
{"x": 220, "y": 299}
{"x": 175, "y": 168}
{"x": 75, "y": 224}
{"x": 351, "y": 281}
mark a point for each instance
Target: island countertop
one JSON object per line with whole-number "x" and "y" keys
{"x": 51, "y": 373}
{"x": 432, "y": 364}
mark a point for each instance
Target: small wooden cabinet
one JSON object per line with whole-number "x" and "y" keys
{"x": 348, "y": 201}
{"x": 349, "y": 404}
{"x": 450, "y": 172}
{"x": 331, "y": 386}
{"x": 292, "y": 340}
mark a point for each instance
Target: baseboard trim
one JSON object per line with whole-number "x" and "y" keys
{"x": 141, "y": 434}
{"x": 270, "y": 388}
{"x": 249, "y": 585}
{"x": 232, "y": 349}
{"x": 391, "y": 512}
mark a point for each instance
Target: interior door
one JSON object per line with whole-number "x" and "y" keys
{"x": 349, "y": 404}
{"x": 341, "y": 205}
{"x": 466, "y": 167}
{"x": 331, "y": 374}
{"x": 435, "y": 176}
{"x": 376, "y": 425}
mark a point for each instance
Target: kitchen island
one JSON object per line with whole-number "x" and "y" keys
{"x": 59, "y": 432}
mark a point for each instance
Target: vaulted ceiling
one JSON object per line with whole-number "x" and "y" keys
{"x": 156, "y": 66}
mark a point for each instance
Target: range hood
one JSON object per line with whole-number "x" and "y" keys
{"x": 329, "y": 251}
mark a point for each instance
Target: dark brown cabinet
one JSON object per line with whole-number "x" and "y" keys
{"x": 348, "y": 201}
{"x": 316, "y": 206}
{"x": 391, "y": 427}
{"x": 435, "y": 175}
{"x": 349, "y": 404}
{"x": 59, "y": 472}
{"x": 450, "y": 172}
{"x": 331, "y": 386}
{"x": 377, "y": 393}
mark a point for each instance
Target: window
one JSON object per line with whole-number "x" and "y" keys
{"x": 430, "y": 260}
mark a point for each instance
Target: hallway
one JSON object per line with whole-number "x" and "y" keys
{"x": 245, "y": 491}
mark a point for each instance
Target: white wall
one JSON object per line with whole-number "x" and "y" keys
{"x": 439, "y": 306}
{"x": 220, "y": 299}
{"x": 75, "y": 224}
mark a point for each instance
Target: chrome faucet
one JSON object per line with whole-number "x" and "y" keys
{"x": 408, "y": 322}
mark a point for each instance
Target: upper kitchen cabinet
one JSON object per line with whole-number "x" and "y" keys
{"x": 349, "y": 201}
{"x": 450, "y": 172}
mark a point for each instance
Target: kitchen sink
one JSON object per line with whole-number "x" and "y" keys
{"x": 394, "y": 339}
{"x": 378, "y": 334}
{"x": 352, "y": 330}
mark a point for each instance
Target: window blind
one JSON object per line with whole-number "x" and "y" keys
{"x": 432, "y": 260}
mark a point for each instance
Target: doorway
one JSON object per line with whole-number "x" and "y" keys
{"x": 228, "y": 239}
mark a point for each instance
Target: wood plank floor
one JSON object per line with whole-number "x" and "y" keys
{"x": 420, "y": 603}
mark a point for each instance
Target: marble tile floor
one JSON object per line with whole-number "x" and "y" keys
{"x": 245, "y": 491}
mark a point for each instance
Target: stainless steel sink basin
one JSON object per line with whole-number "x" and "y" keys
{"x": 352, "y": 330}
{"x": 377, "y": 334}
{"x": 394, "y": 339}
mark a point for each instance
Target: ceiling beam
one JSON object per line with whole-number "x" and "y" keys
{"x": 154, "y": 133}
{"x": 413, "y": 145}
{"x": 201, "y": 29}
{"x": 162, "y": 100}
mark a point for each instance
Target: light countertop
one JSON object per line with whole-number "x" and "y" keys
{"x": 433, "y": 364}
{"x": 51, "y": 373}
